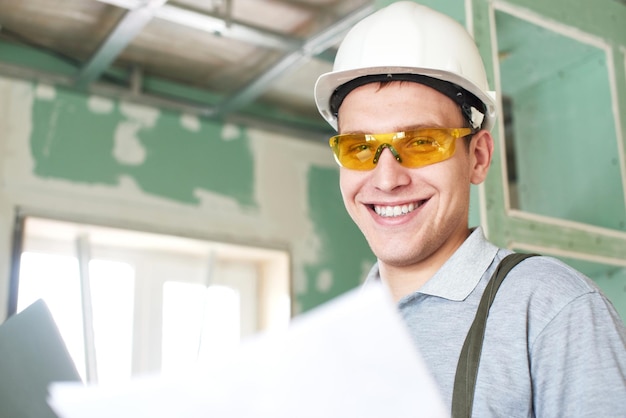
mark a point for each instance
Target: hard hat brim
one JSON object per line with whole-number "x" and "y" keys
{"x": 328, "y": 83}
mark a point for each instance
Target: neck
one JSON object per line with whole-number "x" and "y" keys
{"x": 404, "y": 280}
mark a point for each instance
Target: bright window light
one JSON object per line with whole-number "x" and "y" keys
{"x": 112, "y": 295}
{"x": 150, "y": 308}
{"x": 55, "y": 279}
{"x": 182, "y": 323}
{"x": 222, "y": 323}
{"x": 198, "y": 323}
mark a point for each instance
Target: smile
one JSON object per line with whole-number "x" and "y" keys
{"x": 393, "y": 211}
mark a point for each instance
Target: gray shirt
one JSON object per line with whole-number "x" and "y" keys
{"x": 554, "y": 345}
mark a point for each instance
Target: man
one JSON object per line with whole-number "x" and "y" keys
{"x": 409, "y": 98}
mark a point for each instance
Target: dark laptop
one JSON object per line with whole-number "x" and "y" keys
{"x": 32, "y": 355}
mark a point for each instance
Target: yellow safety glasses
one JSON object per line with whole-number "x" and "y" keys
{"x": 410, "y": 148}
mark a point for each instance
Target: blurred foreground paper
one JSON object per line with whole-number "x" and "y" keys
{"x": 351, "y": 357}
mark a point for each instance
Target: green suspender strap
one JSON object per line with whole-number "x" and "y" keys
{"x": 467, "y": 368}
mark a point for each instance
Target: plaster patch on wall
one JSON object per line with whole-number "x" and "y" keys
{"x": 190, "y": 122}
{"x": 127, "y": 147}
{"x": 281, "y": 182}
{"x": 281, "y": 188}
{"x": 283, "y": 198}
{"x": 324, "y": 281}
{"x": 51, "y": 132}
{"x": 129, "y": 189}
{"x": 230, "y": 132}
{"x": 225, "y": 217}
{"x": 45, "y": 92}
{"x": 216, "y": 202}
{"x": 100, "y": 105}
{"x": 309, "y": 248}
{"x": 16, "y": 100}
{"x": 144, "y": 114}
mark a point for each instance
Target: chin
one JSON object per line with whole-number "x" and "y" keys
{"x": 396, "y": 259}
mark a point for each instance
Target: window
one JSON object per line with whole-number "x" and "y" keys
{"x": 129, "y": 302}
{"x": 559, "y": 115}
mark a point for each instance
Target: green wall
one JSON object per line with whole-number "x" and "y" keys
{"x": 72, "y": 140}
{"x": 89, "y": 148}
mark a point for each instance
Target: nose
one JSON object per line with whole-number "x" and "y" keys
{"x": 388, "y": 173}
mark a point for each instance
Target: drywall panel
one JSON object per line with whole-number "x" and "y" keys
{"x": 93, "y": 140}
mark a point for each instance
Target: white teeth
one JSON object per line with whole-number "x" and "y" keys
{"x": 393, "y": 211}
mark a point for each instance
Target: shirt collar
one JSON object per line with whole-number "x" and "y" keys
{"x": 458, "y": 277}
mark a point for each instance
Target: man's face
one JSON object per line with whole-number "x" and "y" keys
{"x": 430, "y": 203}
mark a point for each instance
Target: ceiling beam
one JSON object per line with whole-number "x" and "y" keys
{"x": 126, "y": 30}
{"x": 216, "y": 25}
{"x": 313, "y": 46}
{"x": 141, "y": 12}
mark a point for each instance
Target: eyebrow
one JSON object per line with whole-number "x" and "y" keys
{"x": 396, "y": 129}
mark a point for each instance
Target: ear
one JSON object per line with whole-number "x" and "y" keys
{"x": 481, "y": 153}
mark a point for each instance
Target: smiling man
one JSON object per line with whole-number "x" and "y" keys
{"x": 409, "y": 98}
{"x": 413, "y": 219}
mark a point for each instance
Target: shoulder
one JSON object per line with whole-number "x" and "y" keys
{"x": 554, "y": 322}
{"x": 549, "y": 292}
{"x": 549, "y": 276}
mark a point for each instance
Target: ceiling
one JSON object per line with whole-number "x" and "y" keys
{"x": 245, "y": 61}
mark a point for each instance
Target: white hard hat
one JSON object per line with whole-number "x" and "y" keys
{"x": 408, "y": 41}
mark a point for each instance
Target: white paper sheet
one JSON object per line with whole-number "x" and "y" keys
{"x": 352, "y": 357}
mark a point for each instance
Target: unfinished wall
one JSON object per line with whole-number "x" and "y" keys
{"x": 98, "y": 160}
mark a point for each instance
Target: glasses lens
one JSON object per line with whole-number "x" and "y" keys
{"x": 425, "y": 147}
{"x": 356, "y": 151}
{"x": 414, "y": 148}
